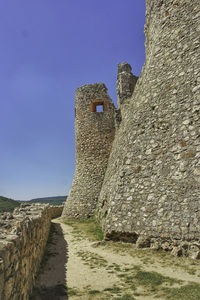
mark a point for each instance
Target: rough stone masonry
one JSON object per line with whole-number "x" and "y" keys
{"x": 94, "y": 134}
{"x": 150, "y": 193}
{"x": 23, "y": 237}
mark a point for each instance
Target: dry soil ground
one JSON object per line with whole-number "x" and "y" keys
{"x": 98, "y": 270}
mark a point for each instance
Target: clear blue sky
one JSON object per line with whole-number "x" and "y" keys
{"x": 47, "y": 49}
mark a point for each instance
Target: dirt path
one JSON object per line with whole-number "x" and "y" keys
{"x": 111, "y": 271}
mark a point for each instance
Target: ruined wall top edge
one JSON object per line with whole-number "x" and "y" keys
{"x": 91, "y": 92}
{"x": 90, "y": 87}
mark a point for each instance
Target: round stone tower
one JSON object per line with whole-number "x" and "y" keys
{"x": 94, "y": 134}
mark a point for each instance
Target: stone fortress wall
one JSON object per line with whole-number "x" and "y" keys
{"x": 94, "y": 134}
{"x": 23, "y": 237}
{"x": 151, "y": 189}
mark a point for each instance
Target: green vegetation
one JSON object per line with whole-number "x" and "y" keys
{"x": 140, "y": 278}
{"x": 113, "y": 290}
{"x": 148, "y": 283}
{"x": 58, "y": 200}
{"x": 148, "y": 257}
{"x": 152, "y": 279}
{"x": 94, "y": 292}
{"x": 72, "y": 292}
{"x": 88, "y": 228}
{"x": 92, "y": 259}
{"x": 7, "y": 205}
{"x": 125, "y": 297}
{"x": 135, "y": 281}
{"x": 187, "y": 292}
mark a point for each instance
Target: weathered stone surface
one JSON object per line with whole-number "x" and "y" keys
{"x": 1, "y": 278}
{"x": 126, "y": 237}
{"x": 152, "y": 182}
{"x": 143, "y": 242}
{"x": 193, "y": 251}
{"x": 177, "y": 251}
{"x": 126, "y": 82}
{"x": 22, "y": 245}
{"x": 94, "y": 134}
{"x": 151, "y": 185}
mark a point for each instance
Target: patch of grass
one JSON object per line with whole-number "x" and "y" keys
{"x": 72, "y": 292}
{"x": 133, "y": 287}
{"x": 150, "y": 256}
{"x": 127, "y": 269}
{"x": 129, "y": 279}
{"x": 113, "y": 290}
{"x": 134, "y": 280}
{"x": 119, "y": 247}
{"x": 148, "y": 261}
{"x": 116, "y": 267}
{"x": 153, "y": 279}
{"x": 192, "y": 272}
{"x": 126, "y": 297}
{"x": 136, "y": 268}
{"x": 94, "y": 292}
{"x": 89, "y": 228}
{"x": 137, "y": 294}
{"x": 187, "y": 292}
{"x": 121, "y": 275}
{"x": 151, "y": 282}
{"x": 189, "y": 269}
{"x": 92, "y": 259}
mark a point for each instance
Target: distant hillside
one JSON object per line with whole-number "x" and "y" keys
{"x": 58, "y": 200}
{"x": 7, "y": 204}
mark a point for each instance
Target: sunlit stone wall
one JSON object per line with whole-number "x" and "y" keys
{"x": 151, "y": 189}
{"x": 23, "y": 237}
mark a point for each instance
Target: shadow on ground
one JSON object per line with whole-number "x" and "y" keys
{"x": 51, "y": 279}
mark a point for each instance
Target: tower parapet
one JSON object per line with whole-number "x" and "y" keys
{"x": 126, "y": 82}
{"x": 94, "y": 134}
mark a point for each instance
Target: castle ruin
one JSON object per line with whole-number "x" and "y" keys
{"x": 94, "y": 134}
{"x": 138, "y": 167}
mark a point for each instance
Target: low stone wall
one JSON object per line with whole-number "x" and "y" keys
{"x": 23, "y": 237}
